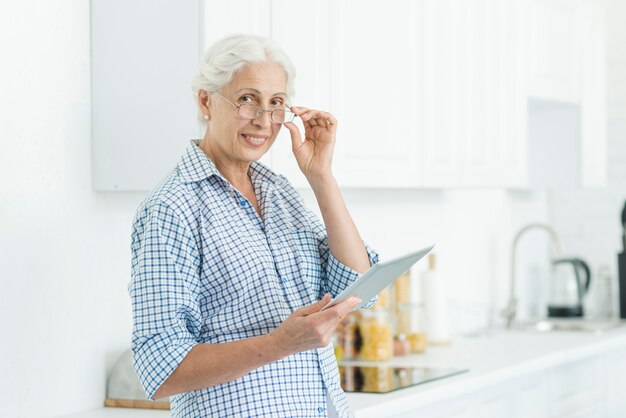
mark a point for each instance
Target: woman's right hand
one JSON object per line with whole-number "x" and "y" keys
{"x": 309, "y": 328}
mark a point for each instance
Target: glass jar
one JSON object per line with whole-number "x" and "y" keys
{"x": 410, "y": 321}
{"x": 347, "y": 338}
{"x": 401, "y": 345}
{"x": 376, "y": 335}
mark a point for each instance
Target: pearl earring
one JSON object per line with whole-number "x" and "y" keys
{"x": 206, "y": 117}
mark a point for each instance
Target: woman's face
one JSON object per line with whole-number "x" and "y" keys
{"x": 238, "y": 140}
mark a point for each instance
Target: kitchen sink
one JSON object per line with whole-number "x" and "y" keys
{"x": 573, "y": 324}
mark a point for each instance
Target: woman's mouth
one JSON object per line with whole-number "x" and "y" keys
{"x": 254, "y": 141}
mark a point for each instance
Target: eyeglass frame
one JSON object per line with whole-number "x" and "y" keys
{"x": 260, "y": 112}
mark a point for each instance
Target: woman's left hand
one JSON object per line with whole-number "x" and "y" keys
{"x": 315, "y": 154}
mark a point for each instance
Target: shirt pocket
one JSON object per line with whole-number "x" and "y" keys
{"x": 307, "y": 248}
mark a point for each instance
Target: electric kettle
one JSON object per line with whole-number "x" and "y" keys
{"x": 570, "y": 282}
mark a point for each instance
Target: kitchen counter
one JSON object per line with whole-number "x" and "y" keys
{"x": 493, "y": 358}
{"x": 497, "y": 357}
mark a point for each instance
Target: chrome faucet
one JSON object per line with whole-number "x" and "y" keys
{"x": 510, "y": 311}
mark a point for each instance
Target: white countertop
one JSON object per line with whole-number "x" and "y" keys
{"x": 495, "y": 357}
{"x": 492, "y": 358}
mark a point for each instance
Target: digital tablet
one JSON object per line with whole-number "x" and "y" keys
{"x": 379, "y": 276}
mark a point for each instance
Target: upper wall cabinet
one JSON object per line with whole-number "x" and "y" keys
{"x": 568, "y": 65}
{"x": 555, "y": 44}
{"x": 375, "y": 70}
{"x": 428, "y": 93}
{"x": 142, "y": 59}
{"x": 435, "y": 98}
{"x": 593, "y": 100}
{"x": 303, "y": 29}
{"x": 223, "y": 18}
{"x": 472, "y": 92}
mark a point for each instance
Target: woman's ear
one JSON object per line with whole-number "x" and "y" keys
{"x": 204, "y": 103}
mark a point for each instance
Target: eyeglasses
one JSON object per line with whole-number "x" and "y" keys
{"x": 252, "y": 112}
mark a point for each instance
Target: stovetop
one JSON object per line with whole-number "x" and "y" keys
{"x": 383, "y": 379}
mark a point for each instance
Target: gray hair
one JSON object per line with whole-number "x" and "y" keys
{"x": 228, "y": 55}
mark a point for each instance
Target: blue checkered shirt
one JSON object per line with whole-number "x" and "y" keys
{"x": 207, "y": 269}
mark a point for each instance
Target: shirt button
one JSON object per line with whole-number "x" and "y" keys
{"x": 320, "y": 409}
{"x": 243, "y": 203}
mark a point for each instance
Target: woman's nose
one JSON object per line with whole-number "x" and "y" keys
{"x": 264, "y": 120}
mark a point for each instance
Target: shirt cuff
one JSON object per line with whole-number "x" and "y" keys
{"x": 156, "y": 358}
{"x": 341, "y": 276}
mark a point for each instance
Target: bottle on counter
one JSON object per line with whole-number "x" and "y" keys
{"x": 435, "y": 303}
{"x": 401, "y": 319}
{"x": 601, "y": 297}
{"x": 409, "y": 315}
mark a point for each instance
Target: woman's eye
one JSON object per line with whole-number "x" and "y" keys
{"x": 246, "y": 99}
{"x": 277, "y": 102}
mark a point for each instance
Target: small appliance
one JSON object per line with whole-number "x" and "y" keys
{"x": 570, "y": 283}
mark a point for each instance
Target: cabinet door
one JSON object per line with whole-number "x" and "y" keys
{"x": 495, "y": 402}
{"x": 142, "y": 113}
{"x": 223, "y": 18}
{"x": 511, "y": 98}
{"x": 593, "y": 96}
{"x": 374, "y": 94}
{"x": 463, "y": 407}
{"x": 475, "y": 118}
{"x": 555, "y": 50}
{"x": 568, "y": 64}
{"x": 446, "y": 69}
{"x": 303, "y": 30}
{"x": 614, "y": 375}
{"x": 531, "y": 396}
{"x": 575, "y": 387}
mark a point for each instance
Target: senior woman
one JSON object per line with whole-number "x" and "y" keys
{"x": 230, "y": 270}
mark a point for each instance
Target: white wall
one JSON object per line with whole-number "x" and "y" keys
{"x": 64, "y": 249}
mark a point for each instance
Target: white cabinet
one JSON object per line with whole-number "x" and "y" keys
{"x": 142, "y": 115}
{"x": 593, "y": 100}
{"x": 303, "y": 29}
{"x": 375, "y": 56}
{"x": 568, "y": 65}
{"x": 462, "y": 407}
{"x": 591, "y": 387}
{"x": 222, "y": 18}
{"x": 531, "y": 398}
{"x": 474, "y": 93}
{"x": 519, "y": 398}
{"x": 434, "y": 98}
{"x": 576, "y": 388}
{"x": 614, "y": 383}
{"x": 428, "y": 93}
{"x": 555, "y": 50}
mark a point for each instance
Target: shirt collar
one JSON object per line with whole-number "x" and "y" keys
{"x": 195, "y": 165}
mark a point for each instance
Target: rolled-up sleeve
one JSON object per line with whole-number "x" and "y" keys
{"x": 336, "y": 276}
{"x": 164, "y": 294}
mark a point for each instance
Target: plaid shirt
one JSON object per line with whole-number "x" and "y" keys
{"x": 207, "y": 269}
